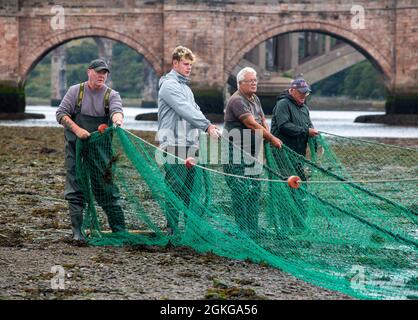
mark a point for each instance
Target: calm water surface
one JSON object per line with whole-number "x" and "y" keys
{"x": 336, "y": 122}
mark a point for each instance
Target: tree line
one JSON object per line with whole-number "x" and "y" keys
{"x": 127, "y": 67}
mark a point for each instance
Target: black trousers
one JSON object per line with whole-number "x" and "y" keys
{"x": 289, "y": 167}
{"x": 245, "y": 197}
{"x": 97, "y": 177}
{"x": 180, "y": 180}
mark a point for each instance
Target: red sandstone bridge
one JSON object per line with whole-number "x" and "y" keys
{"x": 221, "y": 33}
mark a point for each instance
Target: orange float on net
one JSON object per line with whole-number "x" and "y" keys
{"x": 294, "y": 182}
{"x": 190, "y": 162}
{"x": 101, "y": 128}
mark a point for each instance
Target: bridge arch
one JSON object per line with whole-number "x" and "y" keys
{"x": 360, "y": 43}
{"x": 31, "y": 56}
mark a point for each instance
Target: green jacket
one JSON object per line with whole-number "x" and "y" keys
{"x": 291, "y": 123}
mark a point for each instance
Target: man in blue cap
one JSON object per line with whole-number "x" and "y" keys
{"x": 291, "y": 122}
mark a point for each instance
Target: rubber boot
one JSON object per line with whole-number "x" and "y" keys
{"x": 115, "y": 217}
{"x": 76, "y": 217}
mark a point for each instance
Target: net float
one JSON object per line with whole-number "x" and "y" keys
{"x": 101, "y": 128}
{"x": 294, "y": 182}
{"x": 190, "y": 162}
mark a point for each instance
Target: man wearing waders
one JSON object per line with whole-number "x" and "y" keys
{"x": 291, "y": 123}
{"x": 243, "y": 117}
{"x": 84, "y": 107}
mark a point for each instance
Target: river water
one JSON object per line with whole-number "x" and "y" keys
{"x": 335, "y": 122}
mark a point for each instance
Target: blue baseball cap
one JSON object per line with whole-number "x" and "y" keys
{"x": 300, "y": 85}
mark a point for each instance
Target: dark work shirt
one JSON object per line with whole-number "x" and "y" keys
{"x": 238, "y": 105}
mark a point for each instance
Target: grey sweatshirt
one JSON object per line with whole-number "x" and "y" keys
{"x": 179, "y": 117}
{"x": 92, "y": 103}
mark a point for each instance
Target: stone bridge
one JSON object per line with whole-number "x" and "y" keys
{"x": 219, "y": 32}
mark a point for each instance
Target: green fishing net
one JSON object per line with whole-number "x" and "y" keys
{"x": 350, "y": 224}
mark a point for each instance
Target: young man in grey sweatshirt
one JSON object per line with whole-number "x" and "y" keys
{"x": 179, "y": 124}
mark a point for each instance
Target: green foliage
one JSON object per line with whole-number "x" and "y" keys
{"x": 287, "y": 75}
{"x": 38, "y": 83}
{"x": 47, "y": 59}
{"x": 361, "y": 81}
{"x": 76, "y": 73}
{"x": 81, "y": 54}
{"x": 127, "y": 69}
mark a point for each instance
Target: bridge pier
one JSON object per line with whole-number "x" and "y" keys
{"x": 12, "y": 97}
{"x": 210, "y": 99}
{"x": 58, "y": 75}
{"x": 105, "y": 48}
{"x": 149, "y": 93}
{"x": 402, "y": 103}
{"x": 401, "y": 109}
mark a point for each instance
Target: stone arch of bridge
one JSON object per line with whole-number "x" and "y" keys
{"x": 31, "y": 56}
{"x": 364, "y": 45}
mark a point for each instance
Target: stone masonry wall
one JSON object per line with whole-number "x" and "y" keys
{"x": 219, "y": 32}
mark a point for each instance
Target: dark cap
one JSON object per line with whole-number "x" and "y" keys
{"x": 99, "y": 65}
{"x": 300, "y": 85}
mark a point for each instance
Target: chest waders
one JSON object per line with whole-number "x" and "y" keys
{"x": 181, "y": 182}
{"x": 245, "y": 193}
{"x": 106, "y": 195}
